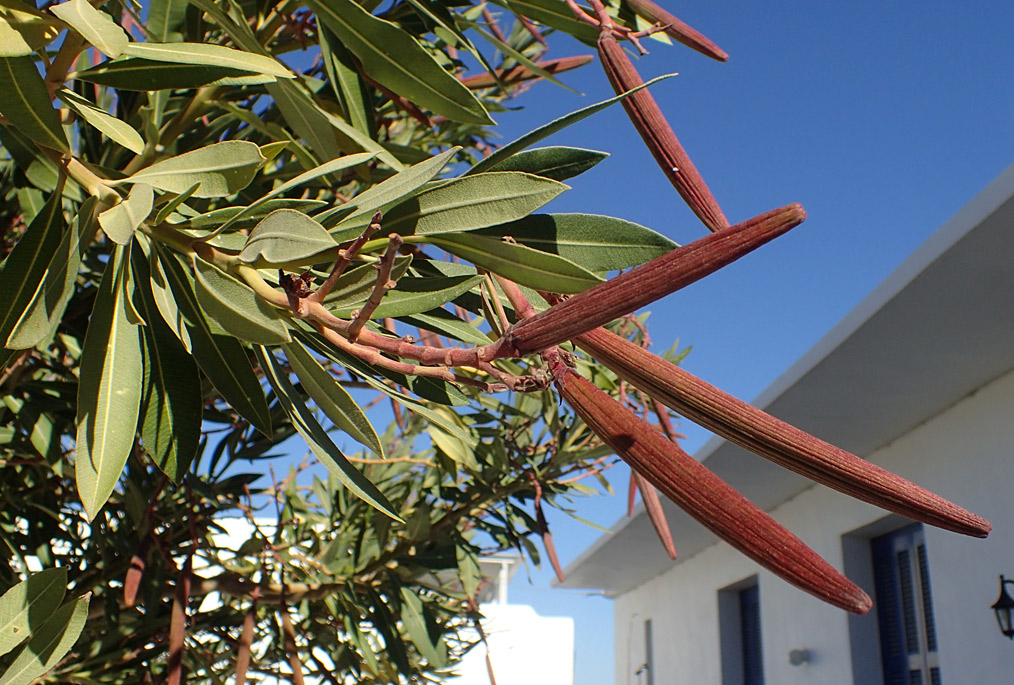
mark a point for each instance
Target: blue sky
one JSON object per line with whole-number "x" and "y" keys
{"x": 882, "y": 119}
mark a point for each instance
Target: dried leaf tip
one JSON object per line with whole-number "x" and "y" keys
{"x": 707, "y": 498}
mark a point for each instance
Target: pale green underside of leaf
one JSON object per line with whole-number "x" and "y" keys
{"x": 598, "y": 243}
{"x": 24, "y": 607}
{"x": 120, "y": 221}
{"x": 109, "y": 394}
{"x": 413, "y": 617}
{"x": 24, "y": 30}
{"x": 49, "y": 645}
{"x": 221, "y": 169}
{"x": 416, "y": 295}
{"x": 24, "y": 100}
{"x": 211, "y": 55}
{"x": 332, "y": 399}
{"x": 535, "y": 269}
{"x": 286, "y": 235}
{"x": 236, "y": 308}
{"x": 464, "y": 204}
{"x": 395, "y": 59}
{"x": 115, "y": 129}
{"x": 95, "y": 26}
{"x": 317, "y": 438}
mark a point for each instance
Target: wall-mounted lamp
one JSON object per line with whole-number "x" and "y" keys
{"x": 1004, "y": 609}
{"x": 798, "y": 657}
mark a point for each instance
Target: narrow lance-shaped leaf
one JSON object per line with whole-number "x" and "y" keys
{"x": 49, "y": 645}
{"x": 464, "y": 204}
{"x": 147, "y": 75}
{"x": 208, "y": 54}
{"x": 773, "y": 439}
{"x": 221, "y": 169}
{"x": 412, "y": 616}
{"x": 24, "y": 100}
{"x": 317, "y": 438}
{"x": 336, "y": 403}
{"x": 557, "y": 163}
{"x": 416, "y": 295}
{"x": 120, "y": 221}
{"x": 109, "y": 394}
{"x": 24, "y": 607}
{"x": 115, "y": 129}
{"x": 395, "y": 60}
{"x": 95, "y": 26}
{"x": 23, "y": 275}
{"x": 236, "y": 308}
{"x": 221, "y": 357}
{"x": 539, "y": 270}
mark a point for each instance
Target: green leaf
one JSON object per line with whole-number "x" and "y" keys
{"x": 170, "y": 402}
{"x": 28, "y": 604}
{"x": 216, "y": 218}
{"x": 210, "y": 55}
{"x": 466, "y": 203}
{"x": 24, "y": 273}
{"x": 221, "y": 169}
{"x": 398, "y": 186}
{"x": 442, "y": 322}
{"x": 317, "y": 438}
{"x": 554, "y": 126}
{"x": 171, "y": 394}
{"x": 355, "y": 285}
{"x": 165, "y": 210}
{"x": 395, "y": 60}
{"x": 460, "y": 453}
{"x": 49, "y": 645}
{"x": 538, "y": 270}
{"x": 148, "y": 75}
{"x": 348, "y": 85}
{"x": 598, "y": 243}
{"x": 109, "y": 394}
{"x": 24, "y": 29}
{"x": 468, "y": 570}
{"x": 115, "y": 129}
{"x": 45, "y": 310}
{"x": 555, "y": 14}
{"x": 332, "y": 399}
{"x": 24, "y": 100}
{"x": 415, "y": 625}
{"x": 416, "y": 295}
{"x": 557, "y": 163}
{"x": 164, "y": 16}
{"x": 120, "y": 221}
{"x": 236, "y": 307}
{"x": 95, "y": 26}
{"x": 286, "y": 235}
{"x": 162, "y": 295}
{"x": 222, "y": 358}
{"x": 339, "y": 164}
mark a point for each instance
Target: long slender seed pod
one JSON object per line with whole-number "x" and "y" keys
{"x": 658, "y": 135}
{"x": 774, "y": 439}
{"x": 678, "y": 30}
{"x": 520, "y": 73}
{"x": 706, "y": 497}
{"x": 649, "y": 282}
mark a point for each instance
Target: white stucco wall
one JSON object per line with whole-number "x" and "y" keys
{"x": 966, "y": 454}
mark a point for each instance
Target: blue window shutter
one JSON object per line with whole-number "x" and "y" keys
{"x": 750, "y": 634}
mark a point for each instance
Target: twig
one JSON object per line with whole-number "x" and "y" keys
{"x": 380, "y": 288}
{"x": 345, "y": 258}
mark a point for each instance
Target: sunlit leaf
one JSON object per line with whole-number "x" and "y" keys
{"x": 147, "y": 75}
{"x": 394, "y": 59}
{"x": 557, "y": 163}
{"x": 538, "y": 270}
{"x": 417, "y": 295}
{"x": 109, "y": 394}
{"x": 120, "y": 221}
{"x": 412, "y": 615}
{"x": 286, "y": 235}
{"x": 24, "y": 607}
{"x": 236, "y": 308}
{"x": 95, "y": 26}
{"x": 221, "y": 169}
{"x": 24, "y": 29}
{"x": 116, "y": 129}
{"x": 49, "y": 644}
{"x": 210, "y": 55}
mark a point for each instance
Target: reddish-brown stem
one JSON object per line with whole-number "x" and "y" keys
{"x": 345, "y": 258}
{"x": 380, "y": 288}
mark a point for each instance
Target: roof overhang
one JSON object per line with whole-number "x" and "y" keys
{"x": 935, "y": 330}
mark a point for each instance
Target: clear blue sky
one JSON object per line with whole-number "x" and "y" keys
{"x": 882, "y": 119}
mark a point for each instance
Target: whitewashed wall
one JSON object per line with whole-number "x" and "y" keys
{"x": 966, "y": 453}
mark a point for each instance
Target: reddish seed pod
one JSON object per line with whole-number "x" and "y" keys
{"x": 677, "y": 29}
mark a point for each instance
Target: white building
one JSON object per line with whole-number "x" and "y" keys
{"x": 919, "y": 379}
{"x": 521, "y": 647}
